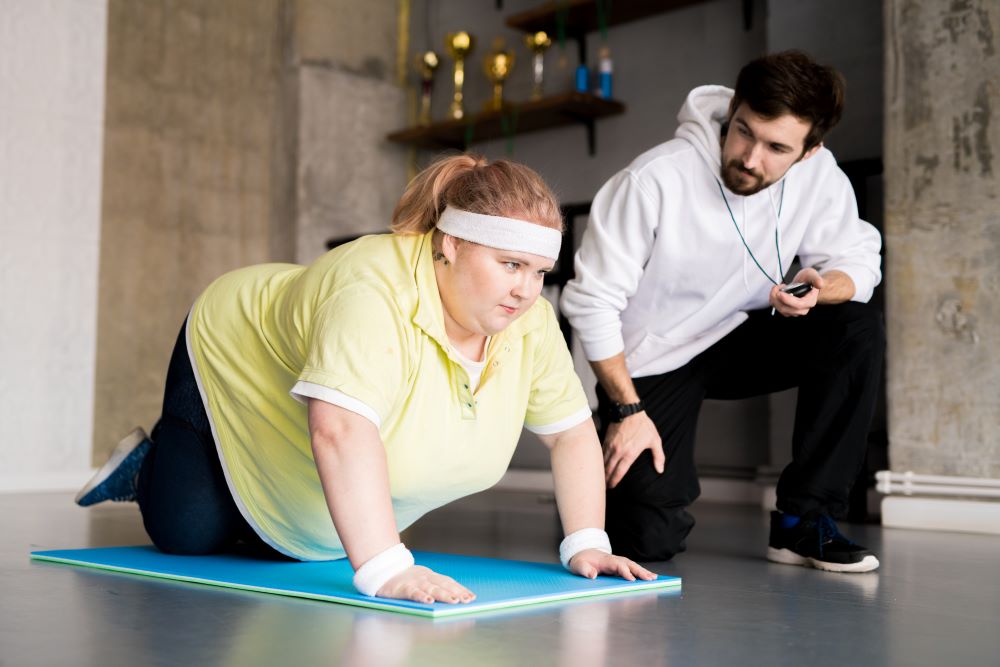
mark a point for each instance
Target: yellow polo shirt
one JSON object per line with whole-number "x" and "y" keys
{"x": 366, "y": 321}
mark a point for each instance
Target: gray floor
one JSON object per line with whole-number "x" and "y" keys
{"x": 936, "y": 601}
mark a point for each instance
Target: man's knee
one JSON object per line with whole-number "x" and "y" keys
{"x": 860, "y": 319}
{"x": 858, "y": 331}
{"x": 646, "y": 513}
{"x": 646, "y": 533}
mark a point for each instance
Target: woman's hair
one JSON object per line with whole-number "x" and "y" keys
{"x": 470, "y": 183}
{"x": 792, "y": 82}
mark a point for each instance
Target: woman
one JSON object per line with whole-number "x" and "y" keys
{"x": 323, "y": 409}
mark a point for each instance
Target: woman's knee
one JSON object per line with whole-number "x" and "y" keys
{"x": 186, "y": 504}
{"x": 200, "y": 539}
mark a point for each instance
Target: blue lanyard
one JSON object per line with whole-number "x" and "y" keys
{"x": 781, "y": 201}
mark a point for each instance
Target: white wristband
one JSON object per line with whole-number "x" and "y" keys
{"x": 585, "y": 538}
{"x": 381, "y": 568}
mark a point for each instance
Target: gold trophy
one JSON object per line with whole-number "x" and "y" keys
{"x": 458, "y": 44}
{"x": 497, "y": 65}
{"x": 427, "y": 63}
{"x": 538, "y": 43}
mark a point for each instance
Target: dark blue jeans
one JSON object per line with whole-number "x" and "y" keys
{"x": 186, "y": 504}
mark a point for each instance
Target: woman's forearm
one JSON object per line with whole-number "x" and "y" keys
{"x": 578, "y": 472}
{"x": 350, "y": 459}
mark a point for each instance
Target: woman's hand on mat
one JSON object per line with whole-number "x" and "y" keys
{"x": 625, "y": 441}
{"x": 592, "y": 562}
{"x": 422, "y": 584}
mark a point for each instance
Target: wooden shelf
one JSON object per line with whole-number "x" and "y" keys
{"x": 582, "y": 14}
{"x": 554, "y": 111}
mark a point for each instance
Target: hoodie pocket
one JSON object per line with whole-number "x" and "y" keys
{"x": 653, "y": 345}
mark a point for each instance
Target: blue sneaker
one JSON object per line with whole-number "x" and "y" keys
{"x": 116, "y": 480}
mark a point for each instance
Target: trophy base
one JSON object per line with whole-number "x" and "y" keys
{"x": 501, "y": 107}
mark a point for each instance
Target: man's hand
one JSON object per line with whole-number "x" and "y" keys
{"x": 623, "y": 443}
{"x": 791, "y": 306}
{"x": 592, "y": 562}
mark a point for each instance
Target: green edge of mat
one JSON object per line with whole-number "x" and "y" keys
{"x": 424, "y": 613}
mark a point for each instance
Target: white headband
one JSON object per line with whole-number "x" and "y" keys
{"x": 503, "y": 233}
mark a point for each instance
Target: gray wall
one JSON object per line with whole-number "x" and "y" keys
{"x": 657, "y": 61}
{"x": 846, "y": 34}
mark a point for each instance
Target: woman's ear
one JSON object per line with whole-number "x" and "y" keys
{"x": 449, "y": 248}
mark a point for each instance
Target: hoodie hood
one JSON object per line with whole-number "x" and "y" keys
{"x": 701, "y": 118}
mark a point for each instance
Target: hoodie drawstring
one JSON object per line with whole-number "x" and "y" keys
{"x": 746, "y": 280}
{"x": 777, "y": 242}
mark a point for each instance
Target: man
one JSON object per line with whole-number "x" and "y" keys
{"x": 679, "y": 295}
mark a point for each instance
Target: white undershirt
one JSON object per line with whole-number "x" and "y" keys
{"x": 473, "y": 368}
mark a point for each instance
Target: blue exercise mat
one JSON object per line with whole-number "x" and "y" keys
{"x": 498, "y": 584}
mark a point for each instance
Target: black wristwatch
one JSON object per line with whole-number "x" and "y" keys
{"x": 619, "y": 411}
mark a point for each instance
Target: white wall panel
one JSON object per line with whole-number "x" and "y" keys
{"x": 52, "y": 55}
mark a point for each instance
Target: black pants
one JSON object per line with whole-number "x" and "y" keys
{"x": 186, "y": 504}
{"x": 833, "y": 355}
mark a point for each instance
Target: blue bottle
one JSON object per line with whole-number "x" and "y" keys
{"x": 582, "y": 79}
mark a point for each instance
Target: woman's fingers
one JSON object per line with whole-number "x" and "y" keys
{"x": 421, "y": 584}
{"x": 624, "y": 571}
{"x": 592, "y": 563}
{"x": 641, "y": 572}
{"x": 629, "y": 569}
{"x": 453, "y": 588}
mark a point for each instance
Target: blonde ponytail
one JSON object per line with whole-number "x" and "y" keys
{"x": 470, "y": 183}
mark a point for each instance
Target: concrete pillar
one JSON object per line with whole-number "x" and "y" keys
{"x": 187, "y": 186}
{"x": 943, "y": 236}
{"x": 347, "y": 177}
{"x": 236, "y": 133}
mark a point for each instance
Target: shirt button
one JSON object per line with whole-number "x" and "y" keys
{"x": 468, "y": 405}
{"x": 496, "y": 364}
{"x": 466, "y": 386}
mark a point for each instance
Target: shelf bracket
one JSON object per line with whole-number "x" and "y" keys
{"x": 747, "y": 15}
{"x": 591, "y": 126}
{"x": 581, "y": 47}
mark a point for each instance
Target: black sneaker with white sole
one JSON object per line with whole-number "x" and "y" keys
{"x": 816, "y": 542}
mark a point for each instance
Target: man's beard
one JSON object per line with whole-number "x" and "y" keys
{"x": 731, "y": 177}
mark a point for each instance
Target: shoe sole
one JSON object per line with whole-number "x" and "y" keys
{"x": 788, "y": 557}
{"x": 121, "y": 452}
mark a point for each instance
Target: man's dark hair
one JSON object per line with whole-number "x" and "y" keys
{"x": 792, "y": 82}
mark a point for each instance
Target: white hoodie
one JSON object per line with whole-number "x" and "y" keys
{"x": 662, "y": 274}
